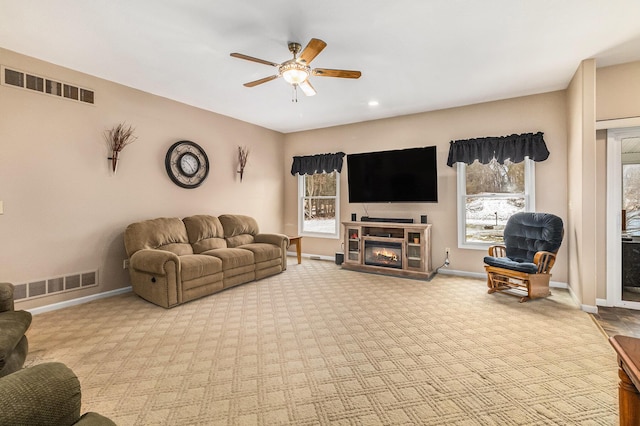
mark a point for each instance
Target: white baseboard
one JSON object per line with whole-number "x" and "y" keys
{"x": 587, "y": 308}
{"x": 590, "y": 309}
{"x": 311, "y": 256}
{"x": 78, "y": 301}
{"x": 447, "y": 271}
{"x": 482, "y": 275}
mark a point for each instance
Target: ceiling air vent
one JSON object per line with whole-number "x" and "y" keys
{"x": 15, "y": 78}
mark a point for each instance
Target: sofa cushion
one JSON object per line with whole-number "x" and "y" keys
{"x": 167, "y": 234}
{"x": 263, "y": 252}
{"x": 205, "y": 232}
{"x": 238, "y": 229}
{"x": 232, "y": 257}
{"x": 240, "y": 240}
{"x": 195, "y": 265}
{"x": 13, "y": 326}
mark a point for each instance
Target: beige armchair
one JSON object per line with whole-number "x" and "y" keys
{"x": 13, "y": 325}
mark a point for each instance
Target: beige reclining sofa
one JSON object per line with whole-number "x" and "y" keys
{"x": 173, "y": 261}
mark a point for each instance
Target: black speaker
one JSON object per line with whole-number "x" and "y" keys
{"x": 423, "y": 218}
{"x": 353, "y": 217}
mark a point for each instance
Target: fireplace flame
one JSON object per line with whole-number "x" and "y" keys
{"x": 385, "y": 255}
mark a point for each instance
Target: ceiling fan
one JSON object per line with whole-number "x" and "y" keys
{"x": 297, "y": 71}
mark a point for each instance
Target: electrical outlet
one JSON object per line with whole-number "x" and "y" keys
{"x": 125, "y": 264}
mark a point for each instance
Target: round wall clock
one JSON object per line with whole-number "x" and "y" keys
{"x": 187, "y": 164}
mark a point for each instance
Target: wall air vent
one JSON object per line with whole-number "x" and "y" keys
{"x": 55, "y": 285}
{"x": 16, "y": 78}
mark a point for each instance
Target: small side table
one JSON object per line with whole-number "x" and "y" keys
{"x": 297, "y": 240}
{"x": 628, "y": 350}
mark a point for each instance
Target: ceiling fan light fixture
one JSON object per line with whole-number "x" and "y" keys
{"x": 294, "y": 72}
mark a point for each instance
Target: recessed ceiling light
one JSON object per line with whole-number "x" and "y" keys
{"x": 374, "y": 103}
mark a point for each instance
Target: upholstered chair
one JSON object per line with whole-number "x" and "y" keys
{"x": 13, "y": 325}
{"x": 522, "y": 266}
{"x": 43, "y": 395}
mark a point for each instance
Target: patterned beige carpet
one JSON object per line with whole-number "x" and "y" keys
{"x": 319, "y": 345}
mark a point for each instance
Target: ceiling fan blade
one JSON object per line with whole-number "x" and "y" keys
{"x": 307, "y": 88}
{"x": 252, "y": 59}
{"x": 312, "y": 50}
{"x": 325, "y": 72}
{"x": 262, "y": 80}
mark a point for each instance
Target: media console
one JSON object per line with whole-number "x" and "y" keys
{"x": 402, "y": 249}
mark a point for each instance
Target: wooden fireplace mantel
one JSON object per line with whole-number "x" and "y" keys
{"x": 414, "y": 240}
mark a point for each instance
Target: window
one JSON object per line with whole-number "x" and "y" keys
{"x": 318, "y": 204}
{"x": 488, "y": 194}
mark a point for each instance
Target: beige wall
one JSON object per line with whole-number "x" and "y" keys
{"x": 65, "y": 212}
{"x": 584, "y": 266}
{"x": 545, "y": 113}
{"x": 618, "y": 91}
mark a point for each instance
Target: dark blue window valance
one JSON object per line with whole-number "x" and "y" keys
{"x": 513, "y": 147}
{"x": 320, "y": 163}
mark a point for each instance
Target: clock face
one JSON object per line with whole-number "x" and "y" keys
{"x": 187, "y": 164}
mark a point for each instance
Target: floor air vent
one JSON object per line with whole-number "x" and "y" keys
{"x": 49, "y": 286}
{"x": 15, "y": 78}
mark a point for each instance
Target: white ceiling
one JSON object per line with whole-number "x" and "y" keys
{"x": 415, "y": 55}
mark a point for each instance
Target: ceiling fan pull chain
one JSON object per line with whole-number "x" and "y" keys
{"x": 294, "y": 95}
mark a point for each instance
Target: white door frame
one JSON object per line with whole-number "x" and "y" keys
{"x": 614, "y": 216}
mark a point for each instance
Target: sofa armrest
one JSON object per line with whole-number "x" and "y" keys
{"x": 152, "y": 261}
{"x": 279, "y": 240}
{"x": 46, "y": 394}
{"x": 6, "y": 297}
{"x": 13, "y": 326}
{"x": 156, "y": 276}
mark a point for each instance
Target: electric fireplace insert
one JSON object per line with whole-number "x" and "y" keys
{"x": 381, "y": 253}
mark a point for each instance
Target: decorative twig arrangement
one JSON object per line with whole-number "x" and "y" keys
{"x": 243, "y": 154}
{"x": 117, "y": 138}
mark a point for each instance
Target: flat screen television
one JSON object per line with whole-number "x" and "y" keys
{"x": 398, "y": 176}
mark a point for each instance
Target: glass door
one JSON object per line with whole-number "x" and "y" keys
{"x": 623, "y": 218}
{"x": 630, "y": 157}
{"x": 414, "y": 250}
{"x": 353, "y": 244}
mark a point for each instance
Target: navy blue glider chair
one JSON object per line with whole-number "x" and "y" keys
{"x": 522, "y": 266}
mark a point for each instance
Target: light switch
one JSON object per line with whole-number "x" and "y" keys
{"x": 1, "y": 207}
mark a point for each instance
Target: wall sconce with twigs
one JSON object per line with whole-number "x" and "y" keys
{"x": 243, "y": 154}
{"x": 117, "y": 138}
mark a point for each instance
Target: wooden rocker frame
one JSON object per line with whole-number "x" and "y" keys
{"x": 520, "y": 284}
